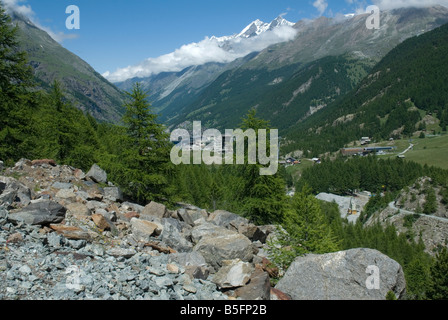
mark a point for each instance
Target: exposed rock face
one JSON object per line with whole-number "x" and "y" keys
{"x": 343, "y": 275}
{"x": 432, "y": 230}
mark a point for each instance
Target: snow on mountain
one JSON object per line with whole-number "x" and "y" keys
{"x": 256, "y": 28}
{"x": 255, "y": 37}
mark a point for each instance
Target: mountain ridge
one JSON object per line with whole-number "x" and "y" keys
{"x": 83, "y": 86}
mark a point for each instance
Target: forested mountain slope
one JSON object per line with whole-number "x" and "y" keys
{"x": 291, "y": 80}
{"x": 411, "y": 81}
{"x": 85, "y": 87}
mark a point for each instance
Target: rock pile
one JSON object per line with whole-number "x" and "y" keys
{"x": 67, "y": 235}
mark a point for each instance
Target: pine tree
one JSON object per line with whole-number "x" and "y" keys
{"x": 417, "y": 279}
{"x": 439, "y": 277}
{"x": 15, "y": 101}
{"x": 306, "y": 230}
{"x": 307, "y": 224}
{"x": 430, "y": 206}
{"x": 263, "y": 196}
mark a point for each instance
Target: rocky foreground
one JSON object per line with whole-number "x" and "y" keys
{"x": 70, "y": 235}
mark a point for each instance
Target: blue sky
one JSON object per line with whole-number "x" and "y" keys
{"x": 119, "y": 33}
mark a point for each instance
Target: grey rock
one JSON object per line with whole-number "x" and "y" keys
{"x": 97, "y": 250}
{"x": 78, "y": 209}
{"x": 26, "y": 285}
{"x": 154, "y": 210}
{"x": 25, "y": 270}
{"x": 185, "y": 217}
{"x": 129, "y": 206}
{"x": 164, "y": 282}
{"x": 121, "y": 252}
{"x": 197, "y": 272}
{"x": 83, "y": 195}
{"x": 2, "y": 165}
{"x": 111, "y": 216}
{"x": 186, "y": 259}
{"x": 253, "y": 232}
{"x": 258, "y": 288}
{"x": 77, "y": 244}
{"x": 40, "y": 213}
{"x": 62, "y": 185}
{"x": 226, "y": 219}
{"x": 65, "y": 194}
{"x": 342, "y": 276}
{"x": 190, "y": 288}
{"x": 172, "y": 236}
{"x": 94, "y": 205}
{"x": 223, "y": 244}
{"x": 55, "y": 240}
{"x": 233, "y": 274}
{"x": 113, "y": 194}
{"x": 204, "y": 230}
{"x": 156, "y": 271}
{"x": 13, "y": 191}
{"x": 143, "y": 230}
{"x": 97, "y": 174}
{"x": 4, "y": 265}
{"x": 3, "y": 213}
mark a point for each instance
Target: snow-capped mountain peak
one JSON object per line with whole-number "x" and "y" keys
{"x": 256, "y": 28}
{"x": 279, "y": 22}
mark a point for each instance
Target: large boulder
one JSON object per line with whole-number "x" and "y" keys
{"x": 97, "y": 174}
{"x": 217, "y": 244}
{"x": 40, "y": 213}
{"x": 357, "y": 274}
{"x": 12, "y": 191}
{"x": 154, "y": 210}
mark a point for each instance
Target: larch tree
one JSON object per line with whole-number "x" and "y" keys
{"x": 146, "y": 167}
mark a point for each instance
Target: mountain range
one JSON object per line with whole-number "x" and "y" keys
{"x": 290, "y": 83}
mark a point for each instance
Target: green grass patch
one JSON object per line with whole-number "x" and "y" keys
{"x": 296, "y": 170}
{"x": 432, "y": 151}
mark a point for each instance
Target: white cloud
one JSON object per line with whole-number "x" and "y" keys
{"x": 394, "y": 4}
{"x": 320, "y": 5}
{"x": 22, "y": 8}
{"x": 207, "y": 50}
